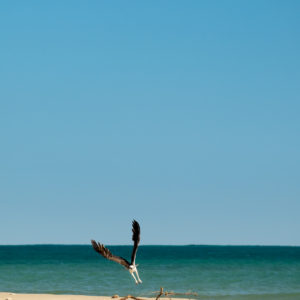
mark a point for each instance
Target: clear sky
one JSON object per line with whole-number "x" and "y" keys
{"x": 184, "y": 115}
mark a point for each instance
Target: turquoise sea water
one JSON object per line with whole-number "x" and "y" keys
{"x": 214, "y": 272}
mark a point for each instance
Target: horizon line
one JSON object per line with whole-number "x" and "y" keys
{"x": 155, "y": 245}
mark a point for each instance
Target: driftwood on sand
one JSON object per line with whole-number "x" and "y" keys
{"x": 131, "y": 297}
{"x": 161, "y": 292}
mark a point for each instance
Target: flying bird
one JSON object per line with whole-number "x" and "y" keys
{"x": 130, "y": 266}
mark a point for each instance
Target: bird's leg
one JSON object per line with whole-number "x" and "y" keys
{"x": 138, "y": 277}
{"x": 134, "y": 277}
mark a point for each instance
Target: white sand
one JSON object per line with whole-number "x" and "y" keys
{"x": 13, "y": 296}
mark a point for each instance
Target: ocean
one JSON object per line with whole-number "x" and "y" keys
{"x": 213, "y": 272}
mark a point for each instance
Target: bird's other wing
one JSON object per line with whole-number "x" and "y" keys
{"x": 107, "y": 254}
{"x": 136, "y": 239}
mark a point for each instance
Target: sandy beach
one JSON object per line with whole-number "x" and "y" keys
{"x": 14, "y": 296}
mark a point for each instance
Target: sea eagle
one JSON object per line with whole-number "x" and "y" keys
{"x": 131, "y": 267}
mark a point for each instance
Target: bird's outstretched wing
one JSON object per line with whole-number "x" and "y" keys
{"x": 136, "y": 239}
{"x": 107, "y": 254}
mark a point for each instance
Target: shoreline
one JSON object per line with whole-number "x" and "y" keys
{"x": 17, "y": 296}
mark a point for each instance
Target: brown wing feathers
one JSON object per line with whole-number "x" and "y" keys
{"x": 101, "y": 249}
{"x": 107, "y": 254}
{"x": 135, "y": 231}
{"x": 136, "y": 239}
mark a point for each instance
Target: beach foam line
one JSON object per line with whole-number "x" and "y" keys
{"x": 16, "y": 296}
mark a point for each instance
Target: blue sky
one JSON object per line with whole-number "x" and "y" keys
{"x": 181, "y": 114}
